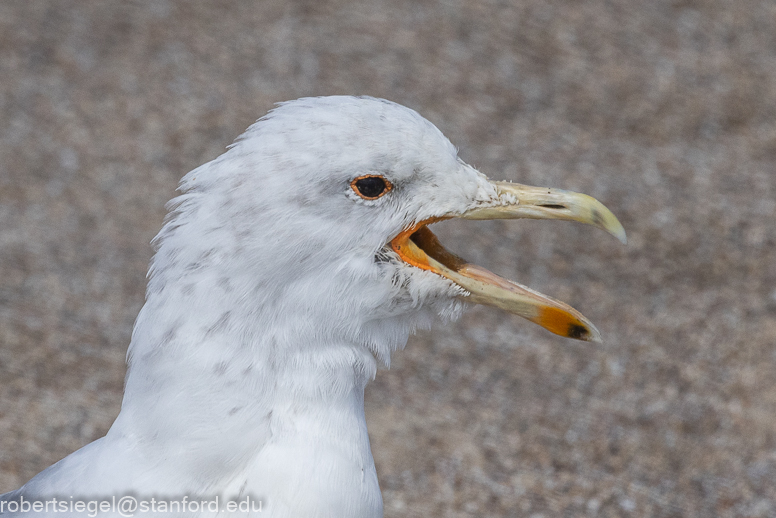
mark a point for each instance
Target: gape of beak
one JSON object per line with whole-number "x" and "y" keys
{"x": 419, "y": 247}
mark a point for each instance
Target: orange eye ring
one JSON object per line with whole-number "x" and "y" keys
{"x": 371, "y": 186}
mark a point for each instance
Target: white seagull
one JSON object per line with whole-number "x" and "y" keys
{"x": 286, "y": 271}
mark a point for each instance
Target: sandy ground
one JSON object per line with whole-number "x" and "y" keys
{"x": 664, "y": 110}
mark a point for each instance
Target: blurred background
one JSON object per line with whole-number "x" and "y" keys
{"x": 663, "y": 110}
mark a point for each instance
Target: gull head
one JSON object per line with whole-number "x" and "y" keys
{"x": 315, "y": 224}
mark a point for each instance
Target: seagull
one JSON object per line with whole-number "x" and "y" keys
{"x": 286, "y": 271}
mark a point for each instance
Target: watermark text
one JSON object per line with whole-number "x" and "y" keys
{"x": 129, "y": 506}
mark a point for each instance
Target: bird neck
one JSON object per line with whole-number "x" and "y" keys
{"x": 244, "y": 340}
{"x": 214, "y": 377}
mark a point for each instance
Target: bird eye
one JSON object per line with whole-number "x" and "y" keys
{"x": 370, "y": 187}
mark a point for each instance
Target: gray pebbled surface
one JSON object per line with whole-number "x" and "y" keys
{"x": 665, "y": 111}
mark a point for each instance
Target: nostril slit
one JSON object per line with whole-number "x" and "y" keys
{"x": 552, "y": 206}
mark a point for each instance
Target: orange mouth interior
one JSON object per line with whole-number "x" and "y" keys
{"x": 416, "y": 244}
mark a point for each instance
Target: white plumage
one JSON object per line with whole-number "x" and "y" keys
{"x": 274, "y": 293}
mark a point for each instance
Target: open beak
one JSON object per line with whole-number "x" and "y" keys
{"x": 419, "y": 247}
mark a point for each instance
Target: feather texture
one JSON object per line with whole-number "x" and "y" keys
{"x": 272, "y": 298}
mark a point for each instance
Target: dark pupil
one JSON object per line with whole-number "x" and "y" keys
{"x": 371, "y": 186}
